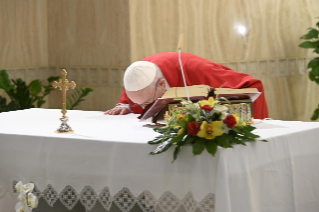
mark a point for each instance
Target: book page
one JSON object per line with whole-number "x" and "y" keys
{"x": 195, "y": 90}
{"x": 233, "y": 91}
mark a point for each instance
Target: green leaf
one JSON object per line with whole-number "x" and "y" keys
{"x": 199, "y": 146}
{"x": 313, "y": 63}
{"x": 22, "y": 95}
{"x": 35, "y": 87}
{"x": 161, "y": 148}
{"x": 86, "y": 91}
{"x": 78, "y": 96}
{"x": 73, "y": 96}
{"x": 40, "y": 103}
{"x": 315, "y": 115}
{"x": 312, "y": 77}
{"x": 211, "y": 147}
{"x": 176, "y": 151}
{"x": 223, "y": 141}
{"x": 250, "y": 128}
{"x": 308, "y": 45}
{"x": 70, "y": 100}
{"x": 187, "y": 140}
{"x": 5, "y": 82}
{"x": 313, "y": 33}
{"x": 12, "y": 106}
{"x": 183, "y": 124}
{"x": 315, "y": 71}
{"x": 178, "y": 138}
{"x": 246, "y": 132}
{"x": 51, "y": 79}
{"x": 234, "y": 138}
{"x": 156, "y": 140}
{"x": 3, "y": 104}
{"x": 160, "y": 129}
{"x": 190, "y": 118}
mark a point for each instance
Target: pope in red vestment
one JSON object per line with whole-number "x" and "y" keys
{"x": 202, "y": 71}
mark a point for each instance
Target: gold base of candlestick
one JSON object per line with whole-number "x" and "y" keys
{"x": 72, "y": 131}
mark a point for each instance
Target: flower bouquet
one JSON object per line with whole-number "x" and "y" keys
{"x": 204, "y": 125}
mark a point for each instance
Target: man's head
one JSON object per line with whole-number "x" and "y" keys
{"x": 144, "y": 82}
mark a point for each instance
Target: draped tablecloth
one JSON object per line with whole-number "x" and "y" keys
{"x": 106, "y": 160}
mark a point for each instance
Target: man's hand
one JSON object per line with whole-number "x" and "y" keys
{"x": 117, "y": 111}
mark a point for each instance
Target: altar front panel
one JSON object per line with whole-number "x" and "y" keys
{"x": 107, "y": 156}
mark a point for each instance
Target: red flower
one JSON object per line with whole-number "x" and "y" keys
{"x": 230, "y": 121}
{"x": 193, "y": 128}
{"x": 207, "y": 107}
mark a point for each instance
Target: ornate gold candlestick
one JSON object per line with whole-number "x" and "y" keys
{"x": 64, "y": 85}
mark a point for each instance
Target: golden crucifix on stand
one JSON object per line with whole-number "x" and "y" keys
{"x": 64, "y": 85}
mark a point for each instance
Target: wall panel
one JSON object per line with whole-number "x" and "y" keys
{"x": 88, "y": 33}
{"x": 209, "y": 27}
{"x": 96, "y": 40}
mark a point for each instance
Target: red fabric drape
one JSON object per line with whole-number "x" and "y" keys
{"x": 202, "y": 71}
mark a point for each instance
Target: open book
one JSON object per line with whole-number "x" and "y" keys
{"x": 196, "y": 93}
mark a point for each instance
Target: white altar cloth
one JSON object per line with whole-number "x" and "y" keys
{"x": 112, "y": 151}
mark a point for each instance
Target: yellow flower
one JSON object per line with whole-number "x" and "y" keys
{"x": 180, "y": 131}
{"x": 239, "y": 121}
{"x": 180, "y": 117}
{"x": 210, "y": 130}
{"x": 211, "y": 102}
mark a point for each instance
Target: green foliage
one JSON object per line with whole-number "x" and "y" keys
{"x": 199, "y": 146}
{"x": 315, "y": 115}
{"x": 77, "y": 97}
{"x": 312, "y": 43}
{"x": 169, "y": 137}
{"x": 23, "y": 96}
{"x": 10, "y": 107}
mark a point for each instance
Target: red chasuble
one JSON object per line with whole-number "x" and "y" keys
{"x": 202, "y": 71}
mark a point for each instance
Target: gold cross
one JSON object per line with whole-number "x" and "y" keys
{"x": 64, "y": 85}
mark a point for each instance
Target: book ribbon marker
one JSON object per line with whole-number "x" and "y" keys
{"x": 180, "y": 46}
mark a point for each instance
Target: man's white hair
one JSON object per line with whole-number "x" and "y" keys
{"x": 142, "y": 74}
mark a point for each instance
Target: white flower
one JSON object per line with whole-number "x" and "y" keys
{"x": 32, "y": 200}
{"x": 224, "y": 128}
{"x": 23, "y": 196}
{"x": 19, "y": 186}
{"x": 221, "y": 109}
{"x": 186, "y": 102}
{"x": 28, "y": 187}
{"x": 22, "y": 207}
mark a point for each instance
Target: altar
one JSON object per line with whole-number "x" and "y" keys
{"x": 105, "y": 162}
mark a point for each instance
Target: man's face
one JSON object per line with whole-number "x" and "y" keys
{"x": 143, "y": 97}
{"x": 147, "y": 95}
